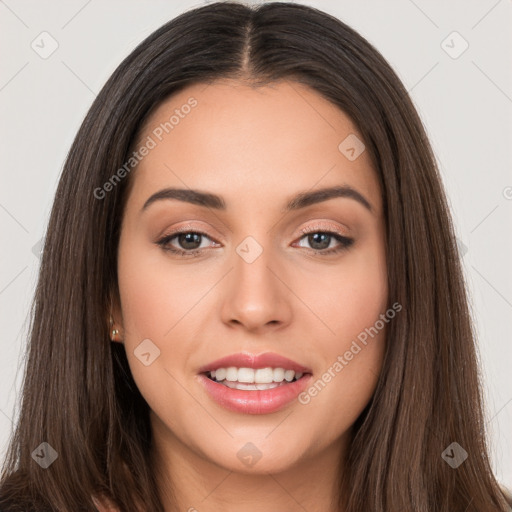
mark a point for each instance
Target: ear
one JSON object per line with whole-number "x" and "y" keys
{"x": 115, "y": 319}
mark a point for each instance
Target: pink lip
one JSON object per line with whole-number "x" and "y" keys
{"x": 246, "y": 360}
{"x": 255, "y": 402}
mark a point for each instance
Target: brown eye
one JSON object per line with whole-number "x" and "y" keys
{"x": 320, "y": 241}
{"x": 187, "y": 242}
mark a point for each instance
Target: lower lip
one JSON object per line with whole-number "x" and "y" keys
{"x": 255, "y": 402}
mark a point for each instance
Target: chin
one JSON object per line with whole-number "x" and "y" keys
{"x": 256, "y": 456}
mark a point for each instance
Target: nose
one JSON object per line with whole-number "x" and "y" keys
{"x": 256, "y": 297}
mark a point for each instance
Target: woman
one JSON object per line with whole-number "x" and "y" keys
{"x": 250, "y": 294}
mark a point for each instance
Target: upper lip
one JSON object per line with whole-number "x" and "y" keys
{"x": 247, "y": 360}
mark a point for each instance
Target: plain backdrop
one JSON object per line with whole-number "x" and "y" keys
{"x": 463, "y": 95}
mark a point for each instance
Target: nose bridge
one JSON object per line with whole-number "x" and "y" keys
{"x": 256, "y": 295}
{"x": 253, "y": 264}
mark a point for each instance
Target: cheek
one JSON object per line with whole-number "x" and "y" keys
{"x": 155, "y": 294}
{"x": 155, "y": 301}
{"x": 349, "y": 297}
{"x": 352, "y": 353}
{"x": 337, "y": 396}
{"x": 352, "y": 304}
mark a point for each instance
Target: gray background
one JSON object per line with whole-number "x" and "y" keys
{"x": 465, "y": 102}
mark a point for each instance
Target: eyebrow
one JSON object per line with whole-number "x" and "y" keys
{"x": 301, "y": 200}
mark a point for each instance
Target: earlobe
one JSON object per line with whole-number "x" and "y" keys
{"x": 115, "y": 332}
{"x": 115, "y": 326}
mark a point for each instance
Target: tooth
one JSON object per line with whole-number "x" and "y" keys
{"x": 245, "y": 375}
{"x": 288, "y": 375}
{"x": 238, "y": 385}
{"x": 264, "y": 376}
{"x": 249, "y": 375}
{"x": 250, "y": 387}
{"x": 232, "y": 374}
{"x": 278, "y": 374}
{"x": 270, "y": 385}
{"x": 220, "y": 374}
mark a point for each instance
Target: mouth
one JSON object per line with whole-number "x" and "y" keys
{"x": 254, "y": 384}
{"x": 254, "y": 397}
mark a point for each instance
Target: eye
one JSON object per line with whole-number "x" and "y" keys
{"x": 320, "y": 241}
{"x": 189, "y": 242}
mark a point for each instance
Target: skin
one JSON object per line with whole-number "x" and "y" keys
{"x": 257, "y": 148}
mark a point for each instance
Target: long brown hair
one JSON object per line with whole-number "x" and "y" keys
{"x": 78, "y": 393}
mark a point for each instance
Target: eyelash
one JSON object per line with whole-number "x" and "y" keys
{"x": 345, "y": 242}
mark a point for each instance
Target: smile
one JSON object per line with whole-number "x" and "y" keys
{"x": 254, "y": 383}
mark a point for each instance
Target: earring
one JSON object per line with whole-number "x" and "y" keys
{"x": 114, "y": 332}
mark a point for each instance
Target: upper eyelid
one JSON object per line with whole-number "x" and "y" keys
{"x": 325, "y": 226}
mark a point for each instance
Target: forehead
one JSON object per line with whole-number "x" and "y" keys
{"x": 244, "y": 142}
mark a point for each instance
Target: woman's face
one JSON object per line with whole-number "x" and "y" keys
{"x": 256, "y": 283}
